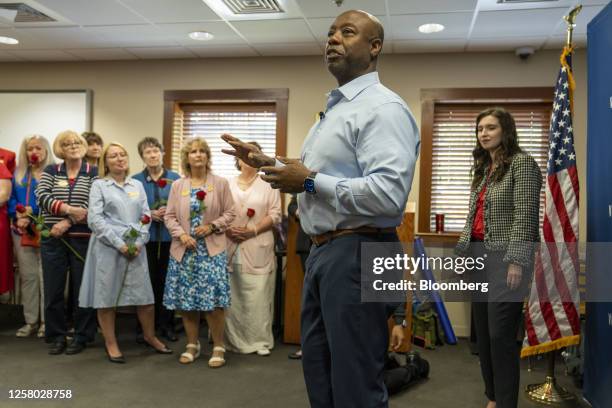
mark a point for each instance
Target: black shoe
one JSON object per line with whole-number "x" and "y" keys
{"x": 57, "y": 347}
{"x": 118, "y": 360}
{"x": 140, "y": 338}
{"x": 169, "y": 335}
{"x": 75, "y": 347}
{"x": 420, "y": 365}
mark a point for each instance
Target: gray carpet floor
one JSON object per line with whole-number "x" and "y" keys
{"x": 152, "y": 380}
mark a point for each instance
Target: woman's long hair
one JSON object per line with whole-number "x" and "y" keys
{"x": 23, "y": 163}
{"x": 508, "y": 148}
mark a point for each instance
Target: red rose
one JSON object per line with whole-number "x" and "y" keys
{"x": 250, "y": 213}
{"x": 161, "y": 183}
{"x": 145, "y": 219}
{"x": 201, "y": 195}
{"x": 34, "y": 159}
{"x": 20, "y": 208}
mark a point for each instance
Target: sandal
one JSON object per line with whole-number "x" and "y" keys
{"x": 41, "y": 331}
{"x": 27, "y": 330}
{"x": 187, "y": 357}
{"x": 217, "y": 361}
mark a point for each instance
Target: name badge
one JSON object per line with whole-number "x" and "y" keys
{"x": 209, "y": 188}
{"x": 133, "y": 194}
{"x": 62, "y": 183}
{"x": 185, "y": 193}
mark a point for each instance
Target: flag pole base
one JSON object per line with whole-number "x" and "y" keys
{"x": 550, "y": 393}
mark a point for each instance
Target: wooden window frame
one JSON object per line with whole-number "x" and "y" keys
{"x": 277, "y": 96}
{"x": 429, "y": 98}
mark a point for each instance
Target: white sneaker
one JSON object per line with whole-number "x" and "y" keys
{"x": 263, "y": 352}
{"x": 41, "y": 331}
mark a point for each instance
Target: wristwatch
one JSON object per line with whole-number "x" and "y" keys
{"x": 214, "y": 229}
{"x": 309, "y": 183}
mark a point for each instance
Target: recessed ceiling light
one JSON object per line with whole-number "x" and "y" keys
{"x": 9, "y": 40}
{"x": 201, "y": 36}
{"x": 431, "y": 28}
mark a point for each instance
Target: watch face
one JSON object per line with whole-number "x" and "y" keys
{"x": 309, "y": 185}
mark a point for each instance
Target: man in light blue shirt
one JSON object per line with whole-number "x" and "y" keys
{"x": 354, "y": 176}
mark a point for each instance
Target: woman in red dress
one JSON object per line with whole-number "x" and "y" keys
{"x": 6, "y": 250}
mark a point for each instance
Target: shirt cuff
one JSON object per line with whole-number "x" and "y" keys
{"x": 325, "y": 186}
{"x": 278, "y": 163}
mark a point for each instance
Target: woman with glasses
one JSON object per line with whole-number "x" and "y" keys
{"x": 63, "y": 198}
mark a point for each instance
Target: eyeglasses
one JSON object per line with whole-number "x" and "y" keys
{"x": 71, "y": 145}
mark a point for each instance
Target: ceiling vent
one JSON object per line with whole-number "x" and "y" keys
{"x": 25, "y": 13}
{"x": 241, "y": 7}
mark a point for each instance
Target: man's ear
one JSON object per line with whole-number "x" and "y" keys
{"x": 375, "y": 47}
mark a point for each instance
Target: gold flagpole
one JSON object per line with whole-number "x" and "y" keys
{"x": 550, "y": 393}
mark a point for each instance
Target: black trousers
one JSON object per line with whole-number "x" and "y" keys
{"x": 497, "y": 322}
{"x": 158, "y": 267}
{"x": 344, "y": 341}
{"x": 57, "y": 261}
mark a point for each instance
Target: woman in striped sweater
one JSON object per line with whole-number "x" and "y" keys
{"x": 63, "y": 195}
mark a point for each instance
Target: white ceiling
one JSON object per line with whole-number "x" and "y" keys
{"x": 89, "y": 30}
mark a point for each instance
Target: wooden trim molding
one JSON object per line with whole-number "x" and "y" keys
{"x": 429, "y": 98}
{"x": 277, "y": 96}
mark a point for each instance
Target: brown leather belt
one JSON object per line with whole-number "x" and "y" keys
{"x": 321, "y": 239}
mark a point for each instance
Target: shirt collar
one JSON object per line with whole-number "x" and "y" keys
{"x": 353, "y": 88}
{"x": 149, "y": 179}
{"x": 128, "y": 181}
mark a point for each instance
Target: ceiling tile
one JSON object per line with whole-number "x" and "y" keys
{"x": 269, "y": 50}
{"x": 171, "y": 11}
{"x": 5, "y": 56}
{"x": 179, "y": 33}
{"x": 133, "y": 35}
{"x": 44, "y": 55}
{"x": 93, "y": 12}
{"x": 162, "y": 52}
{"x": 60, "y": 37}
{"x": 430, "y": 6}
{"x": 504, "y": 43}
{"x": 517, "y": 22}
{"x": 492, "y": 5}
{"x": 226, "y": 51}
{"x": 273, "y": 31}
{"x": 326, "y": 8}
{"x": 406, "y": 27}
{"x": 427, "y": 46}
{"x": 558, "y": 42}
{"x": 320, "y": 26}
{"x": 97, "y": 54}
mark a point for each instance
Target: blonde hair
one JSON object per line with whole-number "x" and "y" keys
{"x": 58, "y": 150}
{"x": 103, "y": 171}
{"x": 185, "y": 154}
{"x": 23, "y": 162}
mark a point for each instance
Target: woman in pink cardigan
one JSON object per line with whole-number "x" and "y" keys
{"x": 200, "y": 207}
{"x": 248, "y": 323}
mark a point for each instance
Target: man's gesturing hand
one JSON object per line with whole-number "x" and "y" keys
{"x": 289, "y": 178}
{"x": 246, "y": 152}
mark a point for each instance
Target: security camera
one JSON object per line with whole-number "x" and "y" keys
{"x": 338, "y": 2}
{"x": 524, "y": 52}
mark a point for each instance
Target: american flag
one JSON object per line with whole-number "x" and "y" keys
{"x": 552, "y": 319}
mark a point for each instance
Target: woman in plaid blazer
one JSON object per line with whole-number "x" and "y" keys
{"x": 502, "y": 227}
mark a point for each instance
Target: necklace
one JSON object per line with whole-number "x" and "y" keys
{"x": 245, "y": 184}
